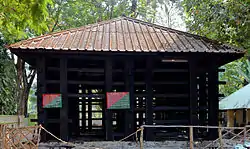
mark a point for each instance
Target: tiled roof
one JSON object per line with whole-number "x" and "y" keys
{"x": 124, "y": 34}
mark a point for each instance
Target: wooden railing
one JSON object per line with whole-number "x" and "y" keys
{"x": 19, "y": 137}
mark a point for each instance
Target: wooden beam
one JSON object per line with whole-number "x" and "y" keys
{"x": 193, "y": 97}
{"x": 193, "y": 92}
{"x": 64, "y": 110}
{"x": 108, "y": 88}
{"x": 41, "y": 88}
{"x": 149, "y": 98}
{"x": 129, "y": 86}
{"x": 213, "y": 99}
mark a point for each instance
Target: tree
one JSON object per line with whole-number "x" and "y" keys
{"x": 75, "y": 13}
{"x": 7, "y": 83}
{"x": 18, "y": 19}
{"x": 170, "y": 14}
{"x": 225, "y": 21}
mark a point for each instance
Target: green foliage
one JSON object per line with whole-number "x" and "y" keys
{"x": 66, "y": 14}
{"x": 19, "y": 17}
{"x": 32, "y": 101}
{"x": 225, "y": 21}
{"x": 7, "y": 83}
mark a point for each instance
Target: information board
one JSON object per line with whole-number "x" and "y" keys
{"x": 118, "y": 100}
{"x": 52, "y": 101}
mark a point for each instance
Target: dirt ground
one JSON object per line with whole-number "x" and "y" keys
{"x": 147, "y": 145}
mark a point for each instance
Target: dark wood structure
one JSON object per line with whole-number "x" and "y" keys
{"x": 172, "y": 78}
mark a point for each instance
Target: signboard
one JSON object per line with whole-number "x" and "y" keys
{"x": 52, "y": 101}
{"x": 118, "y": 100}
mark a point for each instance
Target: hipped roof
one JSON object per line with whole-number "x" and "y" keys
{"x": 124, "y": 34}
{"x": 238, "y": 100}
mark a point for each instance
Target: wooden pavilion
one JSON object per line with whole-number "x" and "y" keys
{"x": 171, "y": 77}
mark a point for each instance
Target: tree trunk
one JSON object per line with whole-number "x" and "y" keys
{"x": 24, "y": 83}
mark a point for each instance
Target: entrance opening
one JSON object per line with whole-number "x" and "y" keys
{"x": 86, "y": 98}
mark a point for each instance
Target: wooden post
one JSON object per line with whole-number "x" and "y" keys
{"x": 245, "y": 135}
{"x": 213, "y": 100}
{"x": 193, "y": 94}
{"x": 141, "y": 138}
{"x": 191, "y": 137}
{"x": 41, "y": 88}
{"x": 230, "y": 118}
{"x": 108, "y": 88}
{"x": 129, "y": 86}
{"x": 64, "y": 110}
{"x": 220, "y": 138}
{"x": 246, "y": 116}
{"x": 149, "y": 98}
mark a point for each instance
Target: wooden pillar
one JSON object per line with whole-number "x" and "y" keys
{"x": 193, "y": 102}
{"x": 202, "y": 102}
{"x": 244, "y": 116}
{"x": 230, "y": 118}
{"x": 213, "y": 99}
{"x": 239, "y": 117}
{"x": 108, "y": 88}
{"x": 41, "y": 88}
{"x": 89, "y": 113}
{"x": 129, "y": 86}
{"x": 64, "y": 110}
{"x": 149, "y": 98}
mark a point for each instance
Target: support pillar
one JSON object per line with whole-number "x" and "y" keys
{"x": 129, "y": 86}
{"x": 108, "y": 88}
{"x": 193, "y": 97}
{"x": 213, "y": 99}
{"x": 64, "y": 110}
{"x": 149, "y": 98}
{"x": 41, "y": 89}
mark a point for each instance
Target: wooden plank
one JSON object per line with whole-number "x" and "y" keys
{"x": 108, "y": 88}
{"x": 88, "y": 96}
{"x": 164, "y": 95}
{"x": 175, "y": 108}
{"x": 64, "y": 110}
{"x": 149, "y": 97}
{"x": 172, "y": 122}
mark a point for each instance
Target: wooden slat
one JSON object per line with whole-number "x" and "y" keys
{"x": 165, "y": 108}
{"x": 161, "y": 122}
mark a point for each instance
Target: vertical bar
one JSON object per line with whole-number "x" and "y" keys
{"x": 193, "y": 94}
{"x": 244, "y": 116}
{"x": 108, "y": 88}
{"x": 141, "y": 138}
{"x": 129, "y": 86}
{"x": 202, "y": 101}
{"x": 41, "y": 88}
{"x": 63, "y": 89}
{"x": 220, "y": 138}
{"x": 213, "y": 101}
{"x": 191, "y": 138}
{"x": 89, "y": 115}
{"x": 245, "y": 134}
{"x": 149, "y": 98}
